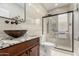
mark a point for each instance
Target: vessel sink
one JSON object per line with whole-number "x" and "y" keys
{"x": 15, "y": 33}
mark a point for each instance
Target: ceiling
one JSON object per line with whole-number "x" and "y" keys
{"x": 46, "y": 6}
{"x": 51, "y": 6}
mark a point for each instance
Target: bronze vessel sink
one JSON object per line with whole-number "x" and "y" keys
{"x": 15, "y": 33}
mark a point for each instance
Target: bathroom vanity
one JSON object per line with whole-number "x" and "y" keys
{"x": 28, "y": 47}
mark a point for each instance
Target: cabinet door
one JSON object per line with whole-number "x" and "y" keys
{"x": 34, "y": 51}
{"x": 26, "y": 53}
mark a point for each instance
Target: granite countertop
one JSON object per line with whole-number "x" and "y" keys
{"x": 7, "y": 42}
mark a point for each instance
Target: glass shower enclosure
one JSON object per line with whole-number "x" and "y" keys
{"x": 58, "y": 29}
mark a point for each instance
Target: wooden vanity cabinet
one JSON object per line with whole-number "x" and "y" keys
{"x": 34, "y": 51}
{"x": 27, "y": 48}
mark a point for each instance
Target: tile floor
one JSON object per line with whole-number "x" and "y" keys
{"x": 76, "y": 47}
{"x": 51, "y": 51}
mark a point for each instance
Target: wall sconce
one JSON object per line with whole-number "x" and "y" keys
{"x": 6, "y": 21}
{"x": 15, "y": 20}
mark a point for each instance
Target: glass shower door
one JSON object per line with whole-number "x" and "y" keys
{"x": 64, "y": 34}
{"x": 52, "y": 29}
{"x": 58, "y": 30}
